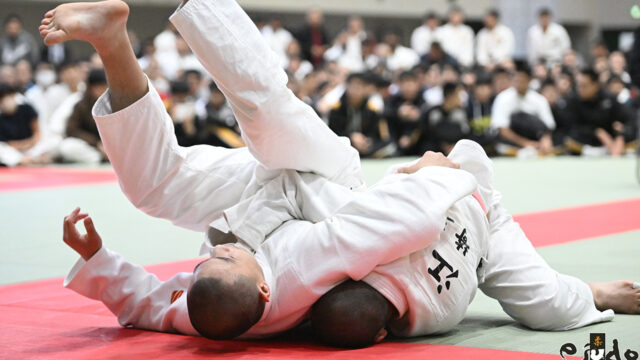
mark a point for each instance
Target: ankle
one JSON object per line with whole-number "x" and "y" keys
{"x": 112, "y": 45}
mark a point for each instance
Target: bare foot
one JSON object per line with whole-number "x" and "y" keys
{"x": 620, "y": 296}
{"x": 98, "y": 23}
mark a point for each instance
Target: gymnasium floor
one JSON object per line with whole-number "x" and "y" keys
{"x": 582, "y": 214}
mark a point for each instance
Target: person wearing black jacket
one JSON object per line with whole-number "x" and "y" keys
{"x": 355, "y": 117}
{"x": 597, "y": 118}
{"x": 479, "y": 115}
{"x": 313, "y": 37}
{"x": 447, "y": 123}
{"x": 403, "y": 112}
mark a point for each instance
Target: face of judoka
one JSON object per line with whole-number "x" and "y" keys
{"x": 229, "y": 260}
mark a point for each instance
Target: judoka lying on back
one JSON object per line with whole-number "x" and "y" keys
{"x": 252, "y": 289}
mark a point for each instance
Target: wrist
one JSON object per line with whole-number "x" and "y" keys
{"x": 87, "y": 255}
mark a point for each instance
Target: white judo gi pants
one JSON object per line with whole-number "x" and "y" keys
{"x": 528, "y": 289}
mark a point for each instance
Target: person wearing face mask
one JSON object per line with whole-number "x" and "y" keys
{"x": 19, "y": 130}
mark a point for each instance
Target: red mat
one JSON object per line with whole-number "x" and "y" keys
{"x": 554, "y": 227}
{"x": 15, "y": 179}
{"x": 42, "y": 320}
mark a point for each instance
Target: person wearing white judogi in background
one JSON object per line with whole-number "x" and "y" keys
{"x": 457, "y": 38}
{"x": 140, "y": 300}
{"x": 547, "y": 41}
{"x": 193, "y": 186}
{"x": 495, "y": 43}
{"x": 425, "y": 34}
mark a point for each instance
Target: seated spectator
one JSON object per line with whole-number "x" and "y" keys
{"x": 479, "y": 115}
{"x": 19, "y": 130}
{"x": 618, "y": 66}
{"x": 183, "y": 112}
{"x": 347, "y": 46}
{"x": 436, "y": 55}
{"x": 523, "y": 118}
{"x": 295, "y": 64}
{"x": 403, "y": 112}
{"x": 70, "y": 77}
{"x": 424, "y": 35}
{"x": 24, "y": 75}
{"x": 17, "y": 44}
{"x": 547, "y": 40}
{"x": 457, "y": 38}
{"x": 83, "y": 144}
{"x": 571, "y": 61}
{"x": 540, "y": 74}
{"x": 355, "y": 117}
{"x": 399, "y": 58}
{"x": 313, "y": 37}
{"x": 501, "y": 79}
{"x": 217, "y": 126}
{"x": 277, "y": 37}
{"x": 565, "y": 82}
{"x": 447, "y": 123}
{"x": 619, "y": 89}
{"x": 598, "y": 119}
{"x": 55, "y": 54}
{"x": 194, "y": 80}
{"x": 558, "y": 105}
{"x": 8, "y": 75}
{"x": 495, "y": 42}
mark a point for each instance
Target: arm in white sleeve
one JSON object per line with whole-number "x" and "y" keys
{"x": 135, "y": 296}
{"x": 565, "y": 40}
{"x": 280, "y": 130}
{"x": 468, "y": 48}
{"x": 482, "y": 51}
{"x": 400, "y": 215}
{"x": 509, "y": 45}
{"x": 544, "y": 110}
{"x": 188, "y": 186}
{"x": 500, "y": 112}
{"x": 532, "y": 49}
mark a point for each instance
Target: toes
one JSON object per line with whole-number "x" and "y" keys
{"x": 46, "y": 21}
{"x": 50, "y": 13}
{"x": 54, "y": 37}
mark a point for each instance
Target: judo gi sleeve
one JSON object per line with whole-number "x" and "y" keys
{"x": 402, "y": 214}
{"x": 135, "y": 296}
{"x": 188, "y": 186}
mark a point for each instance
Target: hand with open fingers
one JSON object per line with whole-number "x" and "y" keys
{"x": 84, "y": 244}
{"x": 429, "y": 158}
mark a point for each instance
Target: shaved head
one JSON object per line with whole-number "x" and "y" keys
{"x": 224, "y": 307}
{"x": 351, "y": 315}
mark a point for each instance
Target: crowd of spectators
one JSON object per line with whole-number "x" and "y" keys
{"x": 389, "y": 98}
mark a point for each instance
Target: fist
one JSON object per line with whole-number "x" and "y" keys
{"x": 86, "y": 245}
{"x": 429, "y": 158}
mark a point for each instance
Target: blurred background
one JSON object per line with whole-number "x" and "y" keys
{"x": 526, "y": 79}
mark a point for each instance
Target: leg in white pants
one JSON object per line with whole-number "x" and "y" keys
{"x": 281, "y": 131}
{"x": 9, "y": 156}
{"x": 79, "y": 151}
{"x": 528, "y": 289}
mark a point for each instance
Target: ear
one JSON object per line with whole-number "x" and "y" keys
{"x": 265, "y": 292}
{"x": 381, "y": 335}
